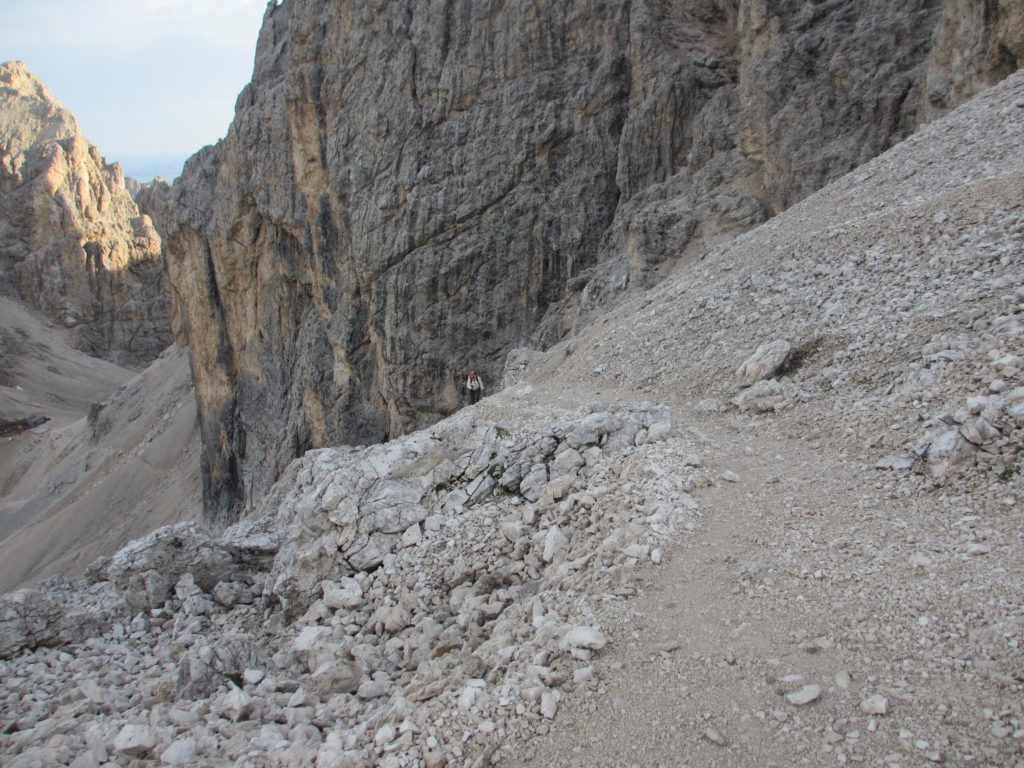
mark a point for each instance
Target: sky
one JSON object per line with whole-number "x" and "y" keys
{"x": 150, "y": 81}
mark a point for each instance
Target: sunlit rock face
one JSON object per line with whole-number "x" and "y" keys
{"x": 72, "y": 242}
{"x": 411, "y": 189}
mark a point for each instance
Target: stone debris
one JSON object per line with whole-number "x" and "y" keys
{"x": 765, "y": 362}
{"x": 715, "y": 736}
{"x": 806, "y": 695}
{"x": 882, "y": 470}
{"x": 875, "y": 704}
{"x": 346, "y": 639}
{"x": 590, "y": 638}
{"x": 134, "y": 740}
{"x": 180, "y": 752}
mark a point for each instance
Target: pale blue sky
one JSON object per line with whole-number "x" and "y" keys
{"x": 150, "y": 81}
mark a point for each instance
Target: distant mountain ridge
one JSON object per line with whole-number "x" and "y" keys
{"x": 145, "y": 168}
{"x": 73, "y": 243}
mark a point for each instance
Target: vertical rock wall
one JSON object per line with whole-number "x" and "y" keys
{"x": 72, "y": 242}
{"x": 410, "y": 189}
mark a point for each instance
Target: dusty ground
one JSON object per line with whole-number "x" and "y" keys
{"x": 806, "y": 569}
{"x": 897, "y": 594}
{"x": 80, "y": 487}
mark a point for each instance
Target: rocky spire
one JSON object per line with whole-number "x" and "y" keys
{"x": 73, "y": 243}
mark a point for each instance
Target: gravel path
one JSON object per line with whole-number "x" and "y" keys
{"x": 853, "y": 593}
{"x": 805, "y": 579}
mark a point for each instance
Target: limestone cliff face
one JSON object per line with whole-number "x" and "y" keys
{"x": 411, "y": 189}
{"x": 72, "y": 242}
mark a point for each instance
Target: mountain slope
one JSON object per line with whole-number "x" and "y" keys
{"x": 822, "y": 564}
{"x": 72, "y": 242}
{"x": 410, "y": 190}
{"x": 116, "y": 458}
{"x": 852, "y": 592}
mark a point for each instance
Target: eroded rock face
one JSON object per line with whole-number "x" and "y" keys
{"x": 411, "y": 189}
{"x": 72, "y": 242}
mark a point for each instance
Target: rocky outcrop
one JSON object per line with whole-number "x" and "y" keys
{"x": 72, "y": 242}
{"x": 410, "y": 190}
{"x": 407, "y": 582}
{"x": 976, "y": 45}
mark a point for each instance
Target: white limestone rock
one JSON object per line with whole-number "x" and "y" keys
{"x": 587, "y": 637}
{"x": 875, "y": 704}
{"x": 766, "y": 396}
{"x": 765, "y": 362}
{"x": 346, "y": 594}
{"x": 806, "y": 695}
{"x": 57, "y": 612}
{"x": 134, "y": 740}
{"x": 555, "y": 543}
{"x": 180, "y": 752}
{"x": 205, "y": 668}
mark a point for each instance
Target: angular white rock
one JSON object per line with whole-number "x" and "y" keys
{"x": 412, "y": 535}
{"x": 766, "y": 361}
{"x": 346, "y": 594}
{"x": 309, "y": 638}
{"x": 134, "y": 739}
{"x": 180, "y": 752}
{"x": 549, "y": 703}
{"x": 511, "y": 530}
{"x": 385, "y": 735}
{"x": 238, "y": 705}
{"x": 554, "y": 543}
{"x": 373, "y": 689}
{"x": 337, "y": 676}
{"x": 876, "y": 704}
{"x": 586, "y": 637}
{"x": 806, "y": 695}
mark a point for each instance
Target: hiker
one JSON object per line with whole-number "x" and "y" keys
{"x": 475, "y": 387}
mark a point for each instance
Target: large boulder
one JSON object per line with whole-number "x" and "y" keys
{"x": 57, "y": 612}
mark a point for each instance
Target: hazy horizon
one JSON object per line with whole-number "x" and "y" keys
{"x": 145, "y": 167}
{"x": 150, "y": 81}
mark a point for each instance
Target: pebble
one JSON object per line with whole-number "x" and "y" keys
{"x": 806, "y": 695}
{"x": 714, "y": 736}
{"x": 549, "y": 703}
{"x": 876, "y": 704}
{"x": 385, "y": 735}
{"x": 586, "y": 637}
